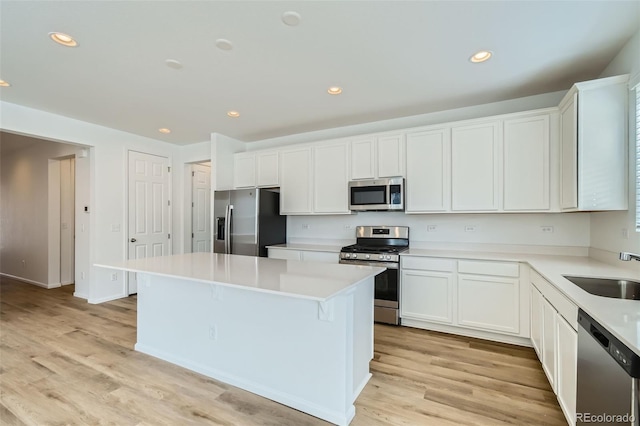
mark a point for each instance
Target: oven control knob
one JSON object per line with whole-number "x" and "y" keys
{"x": 388, "y": 257}
{"x": 346, "y": 255}
{"x": 355, "y": 256}
{"x": 367, "y": 257}
{"x": 381, "y": 257}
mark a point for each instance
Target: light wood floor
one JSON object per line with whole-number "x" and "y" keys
{"x": 65, "y": 362}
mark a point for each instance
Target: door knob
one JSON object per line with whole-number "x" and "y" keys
{"x": 133, "y": 240}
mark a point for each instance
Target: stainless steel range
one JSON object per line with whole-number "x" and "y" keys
{"x": 381, "y": 246}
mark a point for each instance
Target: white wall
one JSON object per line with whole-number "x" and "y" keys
{"x": 607, "y": 228}
{"x": 570, "y": 229}
{"x": 107, "y": 216}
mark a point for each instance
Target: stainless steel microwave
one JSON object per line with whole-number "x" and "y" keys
{"x": 378, "y": 195}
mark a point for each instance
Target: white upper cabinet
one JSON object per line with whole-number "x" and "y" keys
{"x": 428, "y": 185}
{"x": 526, "y": 163}
{"x": 244, "y": 170}
{"x": 267, "y": 169}
{"x": 475, "y": 167}
{"x": 377, "y": 157}
{"x": 363, "y": 158}
{"x": 255, "y": 169}
{"x": 593, "y": 140}
{"x": 390, "y": 156}
{"x": 296, "y": 181}
{"x": 331, "y": 178}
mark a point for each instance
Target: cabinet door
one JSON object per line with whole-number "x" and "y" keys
{"x": 390, "y": 156}
{"x": 320, "y": 256}
{"x": 569, "y": 155}
{"x": 475, "y": 167}
{"x": 296, "y": 181}
{"x": 567, "y": 353}
{"x": 244, "y": 171}
{"x": 526, "y": 163}
{"x": 363, "y": 158}
{"x": 536, "y": 320}
{"x": 489, "y": 303}
{"x": 549, "y": 315}
{"x": 428, "y": 171}
{"x": 286, "y": 254}
{"x": 331, "y": 178}
{"x": 268, "y": 169}
{"x": 427, "y": 295}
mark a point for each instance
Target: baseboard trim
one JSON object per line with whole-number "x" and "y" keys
{"x": 33, "y": 282}
{"x": 467, "y": 332}
{"x": 80, "y": 295}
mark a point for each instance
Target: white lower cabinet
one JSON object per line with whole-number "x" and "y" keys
{"x": 549, "y": 342}
{"x": 475, "y": 298}
{"x": 536, "y": 320}
{"x": 554, "y": 336}
{"x": 427, "y": 295}
{"x": 304, "y": 255}
{"x": 566, "y": 380}
{"x": 478, "y": 298}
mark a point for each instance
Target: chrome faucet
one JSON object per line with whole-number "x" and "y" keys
{"x": 629, "y": 256}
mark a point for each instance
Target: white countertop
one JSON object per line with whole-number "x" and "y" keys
{"x": 308, "y": 280}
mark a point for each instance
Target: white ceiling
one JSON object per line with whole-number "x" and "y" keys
{"x": 392, "y": 58}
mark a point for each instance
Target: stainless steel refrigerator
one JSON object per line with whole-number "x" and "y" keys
{"x": 248, "y": 220}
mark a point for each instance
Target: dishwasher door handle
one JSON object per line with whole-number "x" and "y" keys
{"x": 599, "y": 336}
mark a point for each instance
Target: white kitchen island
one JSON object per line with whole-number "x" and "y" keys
{"x": 299, "y": 333}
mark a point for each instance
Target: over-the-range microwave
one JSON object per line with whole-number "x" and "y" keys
{"x": 377, "y": 195}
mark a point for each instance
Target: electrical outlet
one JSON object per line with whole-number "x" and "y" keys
{"x": 115, "y": 227}
{"x": 625, "y": 233}
{"x": 547, "y": 229}
{"x": 82, "y": 275}
{"x": 114, "y": 276}
{"x": 213, "y": 332}
{"x": 24, "y": 263}
{"x": 432, "y": 228}
{"x": 469, "y": 228}
{"x": 348, "y": 227}
{"x": 306, "y": 226}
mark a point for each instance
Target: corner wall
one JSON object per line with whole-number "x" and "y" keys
{"x": 108, "y": 184}
{"x": 608, "y": 235}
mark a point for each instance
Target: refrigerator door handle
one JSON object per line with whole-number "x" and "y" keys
{"x": 227, "y": 229}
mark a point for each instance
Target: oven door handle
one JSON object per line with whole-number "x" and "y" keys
{"x": 388, "y": 265}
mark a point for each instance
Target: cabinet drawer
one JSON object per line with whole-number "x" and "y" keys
{"x": 564, "y": 306}
{"x": 428, "y": 263}
{"x": 500, "y": 269}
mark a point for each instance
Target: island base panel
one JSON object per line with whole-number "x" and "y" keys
{"x": 309, "y": 355}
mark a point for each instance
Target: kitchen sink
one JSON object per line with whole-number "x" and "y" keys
{"x": 607, "y": 287}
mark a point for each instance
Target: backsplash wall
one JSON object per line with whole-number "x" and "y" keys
{"x": 567, "y": 229}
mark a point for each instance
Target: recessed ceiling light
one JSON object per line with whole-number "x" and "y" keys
{"x": 63, "y": 39}
{"x": 291, "y": 18}
{"x": 4, "y": 83}
{"x": 224, "y": 44}
{"x": 481, "y": 56}
{"x": 335, "y": 90}
{"x": 233, "y": 114}
{"x": 172, "y": 63}
{"x": 164, "y": 130}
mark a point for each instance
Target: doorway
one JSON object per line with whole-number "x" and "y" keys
{"x": 201, "y": 207}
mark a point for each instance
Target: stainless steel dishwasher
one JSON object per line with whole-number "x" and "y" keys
{"x": 608, "y": 373}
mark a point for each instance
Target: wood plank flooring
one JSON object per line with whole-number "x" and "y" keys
{"x": 66, "y": 362}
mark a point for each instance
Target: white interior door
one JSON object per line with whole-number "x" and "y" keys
{"x": 67, "y": 220}
{"x": 200, "y": 208}
{"x": 149, "y": 209}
